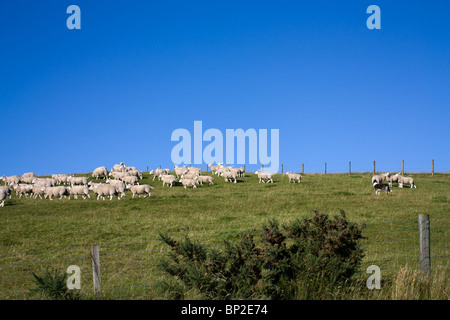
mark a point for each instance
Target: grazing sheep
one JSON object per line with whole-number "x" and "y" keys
{"x": 7, "y": 190}
{"x": 135, "y": 173}
{"x": 168, "y": 179}
{"x": 189, "y": 175}
{"x": 142, "y": 189}
{"x": 2, "y": 197}
{"x": 189, "y": 182}
{"x": 229, "y": 175}
{"x": 79, "y": 190}
{"x": 130, "y": 180}
{"x": 100, "y": 171}
{"x": 264, "y": 176}
{"x": 406, "y": 180}
{"x": 28, "y": 177}
{"x": 118, "y": 175}
{"x": 391, "y": 179}
{"x": 23, "y": 189}
{"x": 38, "y": 191}
{"x": 294, "y": 177}
{"x": 156, "y": 173}
{"x": 60, "y": 178}
{"x": 11, "y": 180}
{"x": 48, "y": 182}
{"x": 77, "y": 180}
{"x": 179, "y": 170}
{"x": 105, "y": 190}
{"x": 378, "y": 178}
{"x": 55, "y": 191}
{"x": 205, "y": 179}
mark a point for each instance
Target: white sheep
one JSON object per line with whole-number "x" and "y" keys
{"x": 130, "y": 180}
{"x": 79, "y": 190}
{"x": 205, "y": 179}
{"x": 38, "y": 191}
{"x": 294, "y": 177}
{"x": 60, "y": 178}
{"x": 7, "y": 190}
{"x": 2, "y": 197}
{"x": 379, "y": 178}
{"x": 141, "y": 189}
{"x": 55, "y": 191}
{"x": 229, "y": 175}
{"x": 77, "y": 180}
{"x": 11, "y": 180}
{"x": 100, "y": 171}
{"x": 23, "y": 189}
{"x": 168, "y": 179}
{"x": 264, "y": 176}
{"x": 179, "y": 170}
{"x": 406, "y": 180}
{"x": 28, "y": 177}
{"x": 105, "y": 190}
{"x": 189, "y": 182}
{"x": 189, "y": 175}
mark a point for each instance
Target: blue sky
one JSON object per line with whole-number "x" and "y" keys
{"x": 114, "y": 91}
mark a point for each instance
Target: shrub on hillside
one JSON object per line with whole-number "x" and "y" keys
{"x": 307, "y": 255}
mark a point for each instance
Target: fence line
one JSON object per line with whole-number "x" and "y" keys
{"x": 132, "y": 273}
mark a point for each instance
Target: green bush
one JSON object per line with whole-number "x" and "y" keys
{"x": 301, "y": 260}
{"x": 51, "y": 285}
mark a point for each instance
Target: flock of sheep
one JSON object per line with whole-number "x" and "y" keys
{"x": 122, "y": 177}
{"x": 377, "y": 182}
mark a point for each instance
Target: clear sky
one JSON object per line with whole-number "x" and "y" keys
{"x": 114, "y": 91}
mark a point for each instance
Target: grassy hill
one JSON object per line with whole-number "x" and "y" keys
{"x": 127, "y": 229}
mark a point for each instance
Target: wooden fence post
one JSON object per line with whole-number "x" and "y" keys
{"x": 325, "y": 168}
{"x": 303, "y": 168}
{"x": 281, "y": 168}
{"x": 349, "y": 167}
{"x": 374, "y": 167}
{"x": 403, "y": 167}
{"x": 262, "y": 168}
{"x": 424, "y": 244}
{"x": 432, "y": 167}
{"x": 96, "y": 271}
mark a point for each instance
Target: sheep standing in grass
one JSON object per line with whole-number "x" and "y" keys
{"x": 378, "y": 178}
{"x": 391, "y": 179}
{"x": 77, "y": 180}
{"x": 156, "y": 173}
{"x": 294, "y": 177}
{"x": 28, "y": 177}
{"x": 130, "y": 180}
{"x": 264, "y": 176}
{"x": 105, "y": 190}
{"x": 79, "y": 190}
{"x": 179, "y": 170}
{"x": 168, "y": 179}
{"x": 406, "y": 180}
{"x": 99, "y": 172}
{"x": 38, "y": 191}
{"x": 144, "y": 189}
{"x": 11, "y": 180}
{"x": 7, "y": 189}
{"x": 189, "y": 182}
{"x": 2, "y": 197}
{"x": 229, "y": 175}
{"x": 23, "y": 189}
{"x": 205, "y": 179}
{"x": 51, "y": 192}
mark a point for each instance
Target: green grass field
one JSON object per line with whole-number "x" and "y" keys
{"x": 35, "y": 234}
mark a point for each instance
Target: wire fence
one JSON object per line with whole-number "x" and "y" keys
{"x": 130, "y": 270}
